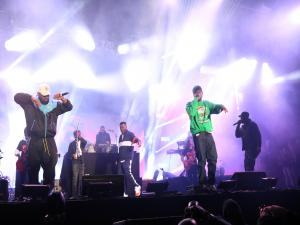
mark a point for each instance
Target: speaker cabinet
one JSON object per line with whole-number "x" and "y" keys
{"x": 35, "y": 191}
{"x": 103, "y": 186}
{"x": 249, "y": 180}
{"x": 3, "y": 190}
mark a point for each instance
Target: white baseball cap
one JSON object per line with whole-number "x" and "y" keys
{"x": 44, "y": 89}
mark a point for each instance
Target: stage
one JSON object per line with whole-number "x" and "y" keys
{"x": 109, "y": 210}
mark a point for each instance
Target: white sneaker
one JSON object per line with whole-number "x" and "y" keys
{"x": 137, "y": 191}
{"x": 125, "y": 195}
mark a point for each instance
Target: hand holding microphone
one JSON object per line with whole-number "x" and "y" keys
{"x": 60, "y": 96}
{"x": 238, "y": 122}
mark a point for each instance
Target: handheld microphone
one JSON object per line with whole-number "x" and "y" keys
{"x": 236, "y": 123}
{"x": 65, "y": 93}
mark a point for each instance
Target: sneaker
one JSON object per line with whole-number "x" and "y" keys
{"x": 137, "y": 191}
{"x": 125, "y": 195}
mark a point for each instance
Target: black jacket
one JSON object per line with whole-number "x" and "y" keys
{"x": 250, "y": 134}
{"x": 72, "y": 146}
{"x": 36, "y": 121}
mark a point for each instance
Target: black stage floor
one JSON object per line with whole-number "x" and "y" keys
{"x": 109, "y": 210}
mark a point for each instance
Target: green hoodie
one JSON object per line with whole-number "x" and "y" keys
{"x": 199, "y": 113}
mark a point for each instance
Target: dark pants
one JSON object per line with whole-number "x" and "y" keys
{"x": 250, "y": 157}
{"x": 42, "y": 152}
{"x": 78, "y": 172}
{"x": 206, "y": 151}
{"x": 130, "y": 182}
{"x": 192, "y": 174}
{"x": 21, "y": 178}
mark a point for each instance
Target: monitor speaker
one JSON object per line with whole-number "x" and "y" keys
{"x": 249, "y": 180}
{"x": 3, "y": 190}
{"x": 35, "y": 191}
{"x": 103, "y": 186}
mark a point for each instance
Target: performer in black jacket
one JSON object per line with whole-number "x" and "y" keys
{"x": 251, "y": 139}
{"x": 41, "y": 115}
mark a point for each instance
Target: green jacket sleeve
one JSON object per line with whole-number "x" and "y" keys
{"x": 191, "y": 108}
{"x": 214, "y": 108}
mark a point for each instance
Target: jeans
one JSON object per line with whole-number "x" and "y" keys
{"x": 78, "y": 172}
{"x": 250, "y": 157}
{"x": 206, "y": 151}
{"x": 21, "y": 178}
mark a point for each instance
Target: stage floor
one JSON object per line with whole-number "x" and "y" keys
{"x": 109, "y": 210}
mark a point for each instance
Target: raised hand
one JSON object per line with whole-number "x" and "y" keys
{"x": 35, "y": 101}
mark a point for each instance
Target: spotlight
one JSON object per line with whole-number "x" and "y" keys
{"x": 84, "y": 38}
{"x": 267, "y": 75}
{"x": 294, "y": 16}
{"x": 136, "y": 73}
{"x": 123, "y": 49}
{"x": 24, "y": 41}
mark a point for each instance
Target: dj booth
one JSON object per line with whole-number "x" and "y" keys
{"x": 107, "y": 163}
{"x": 103, "y": 175}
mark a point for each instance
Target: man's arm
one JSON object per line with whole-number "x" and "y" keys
{"x": 108, "y": 138}
{"x": 25, "y": 99}
{"x": 257, "y": 135}
{"x": 216, "y": 108}
{"x": 83, "y": 143}
{"x": 238, "y": 131}
{"x": 71, "y": 149}
{"x": 63, "y": 107}
{"x": 18, "y": 153}
{"x": 191, "y": 108}
{"x": 136, "y": 140}
{"x": 97, "y": 139}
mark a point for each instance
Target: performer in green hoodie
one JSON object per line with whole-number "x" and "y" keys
{"x": 199, "y": 112}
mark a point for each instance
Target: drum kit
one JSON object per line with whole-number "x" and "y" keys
{"x": 101, "y": 148}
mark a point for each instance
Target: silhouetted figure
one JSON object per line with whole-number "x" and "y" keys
{"x": 251, "y": 139}
{"x": 103, "y": 140}
{"x": 232, "y": 212}
{"x": 277, "y": 215}
{"x": 187, "y": 221}
{"x": 201, "y": 215}
{"x": 55, "y": 209}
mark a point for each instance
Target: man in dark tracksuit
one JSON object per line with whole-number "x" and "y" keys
{"x": 251, "y": 140}
{"x": 126, "y": 141}
{"x": 41, "y": 119}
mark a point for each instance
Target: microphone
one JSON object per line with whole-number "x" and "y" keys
{"x": 65, "y": 93}
{"x": 236, "y": 123}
